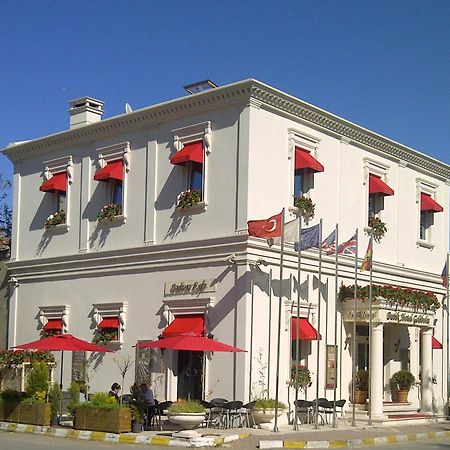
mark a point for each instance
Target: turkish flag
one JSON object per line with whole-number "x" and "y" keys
{"x": 267, "y": 228}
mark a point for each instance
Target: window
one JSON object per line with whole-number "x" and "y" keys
{"x": 53, "y": 319}
{"x": 192, "y": 145}
{"x": 110, "y": 322}
{"x": 428, "y": 207}
{"x": 114, "y": 167}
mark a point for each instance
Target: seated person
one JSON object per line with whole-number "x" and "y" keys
{"x": 114, "y": 392}
{"x": 147, "y": 397}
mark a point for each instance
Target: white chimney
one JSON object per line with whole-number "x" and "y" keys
{"x": 84, "y": 111}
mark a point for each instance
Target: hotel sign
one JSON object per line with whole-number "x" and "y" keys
{"x": 409, "y": 318}
{"x": 389, "y": 316}
{"x": 189, "y": 287}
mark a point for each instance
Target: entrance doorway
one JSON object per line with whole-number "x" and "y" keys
{"x": 362, "y": 347}
{"x": 190, "y": 375}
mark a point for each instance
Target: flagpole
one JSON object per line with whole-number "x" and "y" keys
{"x": 270, "y": 333}
{"x": 355, "y": 296}
{"x": 277, "y": 376}
{"x": 336, "y": 265}
{"x": 316, "y": 408}
{"x": 370, "y": 331}
{"x": 297, "y": 341}
{"x": 448, "y": 330}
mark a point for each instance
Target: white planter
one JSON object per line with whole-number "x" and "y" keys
{"x": 187, "y": 421}
{"x": 265, "y": 415}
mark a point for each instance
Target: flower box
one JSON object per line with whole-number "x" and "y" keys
{"x": 116, "y": 420}
{"x": 188, "y": 199}
{"x": 109, "y": 212}
{"x": 36, "y": 414}
{"x": 55, "y": 219}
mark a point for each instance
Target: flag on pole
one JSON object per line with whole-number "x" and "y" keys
{"x": 266, "y": 228}
{"x": 348, "y": 247}
{"x": 444, "y": 275}
{"x": 329, "y": 244}
{"x": 309, "y": 238}
{"x": 290, "y": 233}
{"x": 367, "y": 262}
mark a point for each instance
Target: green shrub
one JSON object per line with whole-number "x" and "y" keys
{"x": 101, "y": 400}
{"x": 187, "y": 406}
{"x": 37, "y": 384}
{"x": 74, "y": 391}
{"x": 11, "y": 395}
{"x": 404, "y": 379}
{"x": 268, "y": 403}
{"x": 55, "y": 398}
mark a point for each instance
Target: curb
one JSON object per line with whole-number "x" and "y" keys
{"x": 357, "y": 443}
{"x": 100, "y": 436}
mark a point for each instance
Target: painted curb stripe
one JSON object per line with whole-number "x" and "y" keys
{"x": 338, "y": 444}
{"x": 295, "y": 444}
{"x": 98, "y": 436}
{"x": 159, "y": 440}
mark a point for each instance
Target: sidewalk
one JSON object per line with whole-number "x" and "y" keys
{"x": 246, "y": 438}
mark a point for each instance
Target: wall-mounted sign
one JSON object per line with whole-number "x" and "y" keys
{"x": 331, "y": 367}
{"x": 409, "y": 318}
{"x": 386, "y": 316}
{"x": 189, "y": 287}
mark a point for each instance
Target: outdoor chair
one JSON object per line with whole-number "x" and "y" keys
{"x": 217, "y": 412}
{"x": 233, "y": 415}
{"x": 160, "y": 408}
{"x": 340, "y": 408}
{"x": 321, "y": 402}
{"x": 248, "y": 409}
{"x": 304, "y": 408}
{"x": 208, "y": 419}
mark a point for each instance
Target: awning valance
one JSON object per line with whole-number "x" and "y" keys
{"x": 304, "y": 160}
{"x": 190, "y": 152}
{"x": 304, "y": 330}
{"x": 57, "y": 182}
{"x": 428, "y": 204}
{"x": 378, "y": 186}
{"x": 435, "y": 344}
{"x": 53, "y": 325}
{"x": 112, "y": 171}
{"x": 108, "y": 323}
{"x": 186, "y": 325}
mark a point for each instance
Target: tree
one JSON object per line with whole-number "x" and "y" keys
{"x": 5, "y": 209}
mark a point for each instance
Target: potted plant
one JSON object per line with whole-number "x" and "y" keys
{"x": 361, "y": 387}
{"x": 264, "y": 410}
{"x": 137, "y": 407}
{"x": 403, "y": 380}
{"x": 109, "y": 211}
{"x": 300, "y": 377}
{"x": 187, "y": 199}
{"x": 57, "y": 218}
{"x": 54, "y": 395}
{"x": 103, "y": 413}
{"x": 105, "y": 335}
{"x": 377, "y": 228}
{"x": 305, "y": 207}
{"x": 188, "y": 414}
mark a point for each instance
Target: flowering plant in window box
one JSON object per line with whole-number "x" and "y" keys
{"x": 305, "y": 207}
{"x": 105, "y": 335}
{"x": 189, "y": 198}
{"x": 109, "y": 211}
{"x": 300, "y": 377}
{"x": 48, "y": 333}
{"x": 57, "y": 218}
{"x": 394, "y": 296}
{"x": 377, "y": 228}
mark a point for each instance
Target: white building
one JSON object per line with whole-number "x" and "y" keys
{"x": 153, "y": 263}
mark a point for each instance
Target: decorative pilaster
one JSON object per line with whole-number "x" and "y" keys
{"x": 376, "y": 373}
{"x": 426, "y": 385}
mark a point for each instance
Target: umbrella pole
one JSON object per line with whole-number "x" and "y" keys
{"x": 61, "y": 386}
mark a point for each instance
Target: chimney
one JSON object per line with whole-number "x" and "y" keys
{"x": 84, "y": 111}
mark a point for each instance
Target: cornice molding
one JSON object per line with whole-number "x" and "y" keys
{"x": 244, "y": 92}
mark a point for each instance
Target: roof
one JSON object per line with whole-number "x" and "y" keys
{"x": 239, "y": 92}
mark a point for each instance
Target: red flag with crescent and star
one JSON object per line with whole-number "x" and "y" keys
{"x": 266, "y": 228}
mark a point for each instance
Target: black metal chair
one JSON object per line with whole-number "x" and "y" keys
{"x": 218, "y": 413}
{"x": 340, "y": 404}
{"x": 160, "y": 409}
{"x": 248, "y": 409}
{"x": 208, "y": 419}
{"x": 304, "y": 408}
{"x": 320, "y": 403}
{"x": 233, "y": 414}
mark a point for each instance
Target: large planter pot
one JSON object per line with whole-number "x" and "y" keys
{"x": 361, "y": 397}
{"x": 187, "y": 421}
{"x": 117, "y": 420}
{"x": 265, "y": 415}
{"x": 37, "y": 414}
{"x": 402, "y": 396}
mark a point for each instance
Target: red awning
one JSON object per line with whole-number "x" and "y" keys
{"x": 435, "y": 344}
{"x": 428, "y": 204}
{"x": 304, "y": 160}
{"x": 378, "y": 186}
{"x": 306, "y": 331}
{"x": 57, "y": 182}
{"x": 112, "y": 171}
{"x": 188, "y": 325}
{"x": 190, "y": 152}
{"x": 53, "y": 324}
{"x": 109, "y": 322}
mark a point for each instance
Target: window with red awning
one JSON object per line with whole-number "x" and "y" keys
{"x": 304, "y": 160}
{"x": 301, "y": 329}
{"x": 427, "y": 204}
{"x": 109, "y": 323}
{"x": 186, "y": 325}
{"x": 112, "y": 171}
{"x": 378, "y": 186}
{"x": 57, "y": 183}
{"x": 191, "y": 152}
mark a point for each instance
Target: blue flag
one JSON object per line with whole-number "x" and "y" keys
{"x": 309, "y": 238}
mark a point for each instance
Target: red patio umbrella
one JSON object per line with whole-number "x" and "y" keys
{"x": 193, "y": 343}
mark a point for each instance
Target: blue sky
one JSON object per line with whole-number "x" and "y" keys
{"x": 382, "y": 64}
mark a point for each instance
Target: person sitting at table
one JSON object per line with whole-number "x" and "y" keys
{"x": 148, "y": 398}
{"x": 114, "y": 392}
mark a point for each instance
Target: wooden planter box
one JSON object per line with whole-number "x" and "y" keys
{"x": 38, "y": 414}
{"x": 117, "y": 420}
